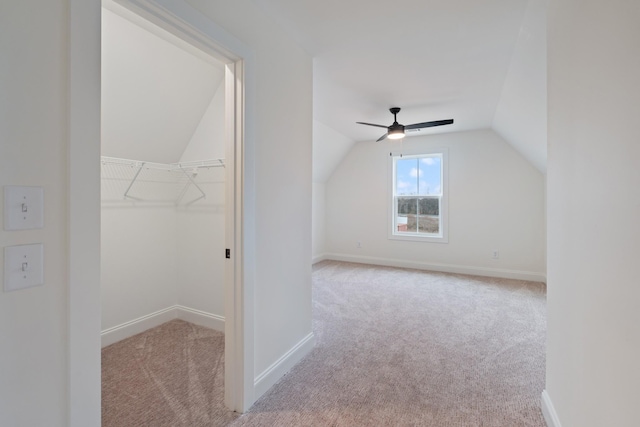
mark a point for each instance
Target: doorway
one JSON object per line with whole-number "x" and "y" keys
{"x": 162, "y": 179}
{"x": 187, "y": 192}
{"x": 84, "y": 306}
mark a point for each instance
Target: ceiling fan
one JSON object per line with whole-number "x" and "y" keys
{"x": 396, "y": 130}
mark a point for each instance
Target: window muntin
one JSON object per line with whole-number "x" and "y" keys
{"x": 418, "y": 197}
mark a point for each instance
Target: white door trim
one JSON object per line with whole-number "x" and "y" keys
{"x": 239, "y": 387}
{"x": 182, "y": 20}
{"x": 84, "y": 404}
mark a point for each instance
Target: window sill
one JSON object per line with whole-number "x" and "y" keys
{"x": 419, "y": 238}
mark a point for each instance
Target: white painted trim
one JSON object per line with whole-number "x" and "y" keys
{"x": 187, "y": 23}
{"x": 392, "y": 234}
{"x": 198, "y": 317}
{"x": 445, "y": 268}
{"x": 548, "y": 411}
{"x": 83, "y": 193}
{"x": 136, "y": 326}
{"x": 133, "y": 327}
{"x": 280, "y": 367}
{"x": 316, "y": 259}
{"x": 239, "y": 233}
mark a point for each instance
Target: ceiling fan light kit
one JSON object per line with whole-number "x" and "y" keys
{"x": 396, "y": 130}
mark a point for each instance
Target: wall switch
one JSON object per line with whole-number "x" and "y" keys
{"x": 359, "y": 245}
{"x": 23, "y": 207}
{"x": 23, "y": 266}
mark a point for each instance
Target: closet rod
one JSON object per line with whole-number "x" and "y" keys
{"x": 185, "y": 169}
{"x": 177, "y": 167}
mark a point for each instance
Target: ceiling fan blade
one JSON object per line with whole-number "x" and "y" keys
{"x": 371, "y": 124}
{"x": 429, "y": 124}
{"x": 382, "y": 137}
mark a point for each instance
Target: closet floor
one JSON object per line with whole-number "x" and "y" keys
{"x": 171, "y": 375}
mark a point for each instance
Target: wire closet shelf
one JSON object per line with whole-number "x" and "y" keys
{"x": 142, "y": 181}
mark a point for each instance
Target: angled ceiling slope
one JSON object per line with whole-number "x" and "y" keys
{"x": 521, "y": 115}
{"x": 434, "y": 59}
{"x": 155, "y": 89}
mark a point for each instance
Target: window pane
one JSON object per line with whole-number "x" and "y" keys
{"x": 407, "y": 177}
{"x": 406, "y": 215}
{"x": 429, "y": 173}
{"x": 418, "y": 196}
{"x": 428, "y": 217}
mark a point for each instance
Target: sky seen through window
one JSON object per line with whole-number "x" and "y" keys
{"x": 419, "y": 176}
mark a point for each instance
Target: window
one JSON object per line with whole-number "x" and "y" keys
{"x": 419, "y": 197}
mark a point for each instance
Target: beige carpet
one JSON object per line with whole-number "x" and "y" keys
{"x": 394, "y": 347}
{"x": 169, "y": 376}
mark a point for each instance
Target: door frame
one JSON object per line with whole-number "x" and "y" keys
{"x": 84, "y": 320}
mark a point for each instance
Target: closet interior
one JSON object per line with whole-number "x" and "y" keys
{"x": 163, "y": 180}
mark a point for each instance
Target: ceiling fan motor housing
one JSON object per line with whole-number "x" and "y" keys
{"x": 395, "y": 131}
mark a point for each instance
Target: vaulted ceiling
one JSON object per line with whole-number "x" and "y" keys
{"x": 155, "y": 88}
{"x": 482, "y": 63}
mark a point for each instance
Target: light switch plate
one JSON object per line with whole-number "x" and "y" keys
{"x": 23, "y": 266}
{"x": 23, "y": 207}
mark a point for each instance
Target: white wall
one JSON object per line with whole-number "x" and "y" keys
{"x": 157, "y": 255}
{"x": 329, "y": 148}
{"x": 33, "y": 151}
{"x": 139, "y": 261}
{"x": 201, "y": 225}
{"x": 496, "y": 202}
{"x": 282, "y": 187}
{"x": 593, "y": 344}
{"x": 318, "y": 214}
{"x": 200, "y": 247}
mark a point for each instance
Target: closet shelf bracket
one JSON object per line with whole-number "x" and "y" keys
{"x": 186, "y": 187}
{"x": 126, "y": 193}
{"x": 188, "y": 170}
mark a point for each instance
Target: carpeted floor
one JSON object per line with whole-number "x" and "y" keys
{"x": 172, "y": 375}
{"x": 394, "y": 348}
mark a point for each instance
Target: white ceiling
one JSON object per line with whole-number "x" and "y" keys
{"x": 434, "y": 59}
{"x": 155, "y": 88}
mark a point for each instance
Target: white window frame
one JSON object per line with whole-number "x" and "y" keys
{"x": 443, "y": 236}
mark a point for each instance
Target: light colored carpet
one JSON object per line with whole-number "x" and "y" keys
{"x": 168, "y": 376}
{"x": 395, "y": 348}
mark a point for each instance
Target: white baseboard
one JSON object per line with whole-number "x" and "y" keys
{"x": 136, "y": 326}
{"x": 445, "y": 268}
{"x": 548, "y": 411}
{"x": 316, "y": 259}
{"x": 201, "y": 318}
{"x": 280, "y": 367}
{"x": 133, "y": 327}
